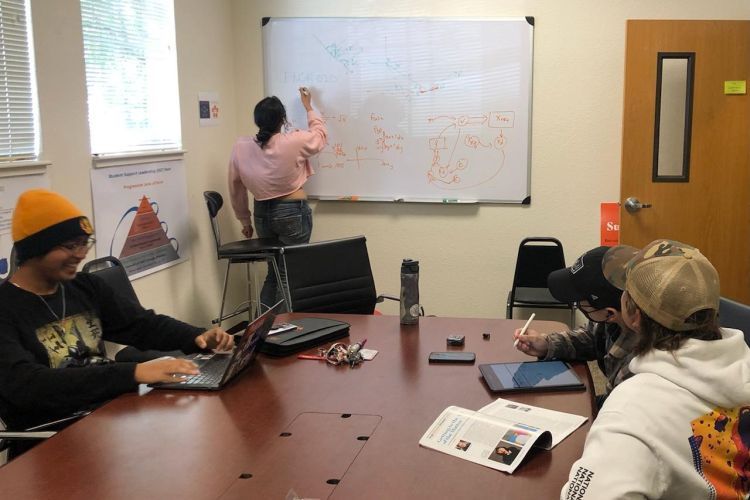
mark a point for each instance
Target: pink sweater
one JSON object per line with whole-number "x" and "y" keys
{"x": 281, "y": 168}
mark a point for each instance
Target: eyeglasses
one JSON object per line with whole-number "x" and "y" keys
{"x": 75, "y": 245}
{"x": 588, "y": 310}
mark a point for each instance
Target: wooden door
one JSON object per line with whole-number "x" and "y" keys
{"x": 711, "y": 208}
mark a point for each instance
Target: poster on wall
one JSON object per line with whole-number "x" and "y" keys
{"x": 141, "y": 215}
{"x": 209, "y": 109}
{"x": 10, "y": 189}
{"x": 610, "y": 224}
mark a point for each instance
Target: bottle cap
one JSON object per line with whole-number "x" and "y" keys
{"x": 411, "y": 265}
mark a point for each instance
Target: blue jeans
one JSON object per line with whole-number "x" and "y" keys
{"x": 291, "y": 222}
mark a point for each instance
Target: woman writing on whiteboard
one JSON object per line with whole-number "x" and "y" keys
{"x": 274, "y": 167}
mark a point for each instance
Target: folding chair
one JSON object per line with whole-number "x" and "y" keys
{"x": 537, "y": 257}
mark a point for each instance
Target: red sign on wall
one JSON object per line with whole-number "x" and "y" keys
{"x": 610, "y": 224}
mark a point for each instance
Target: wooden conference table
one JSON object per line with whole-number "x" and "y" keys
{"x": 322, "y": 431}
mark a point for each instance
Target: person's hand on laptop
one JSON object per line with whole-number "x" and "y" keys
{"x": 166, "y": 369}
{"x": 532, "y": 343}
{"x": 215, "y": 338}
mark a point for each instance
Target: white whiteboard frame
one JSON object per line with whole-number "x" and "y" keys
{"x": 526, "y": 199}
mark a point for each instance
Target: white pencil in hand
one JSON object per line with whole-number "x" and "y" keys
{"x": 523, "y": 330}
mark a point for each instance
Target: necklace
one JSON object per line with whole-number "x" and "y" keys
{"x": 49, "y": 308}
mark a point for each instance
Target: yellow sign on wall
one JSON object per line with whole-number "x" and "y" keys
{"x": 734, "y": 87}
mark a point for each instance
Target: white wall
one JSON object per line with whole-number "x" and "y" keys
{"x": 205, "y": 49}
{"x": 467, "y": 253}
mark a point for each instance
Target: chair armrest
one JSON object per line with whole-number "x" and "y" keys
{"x": 25, "y": 435}
{"x": 381, "y": 298}
{"x": 55, "y": 423}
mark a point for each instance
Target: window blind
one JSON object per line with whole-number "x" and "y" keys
{"x": 131, "y": 75}
{"x": 18, "y": 117}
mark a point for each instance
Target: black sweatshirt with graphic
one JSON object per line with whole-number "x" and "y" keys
{"x": 52, "y": 366}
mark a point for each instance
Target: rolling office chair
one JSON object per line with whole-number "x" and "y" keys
{"x": 16, "y": 442}
{"x": 241, "y": 252}
{"x": 111, "y": 270}
{"x": 537, "y": 257}
{"x": 8, "y": 437}
{"x": 331, "y": 277}
{"x": 11, "y": 263}
{"x": 734, "y": 314}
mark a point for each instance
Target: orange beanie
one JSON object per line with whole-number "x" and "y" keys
{"x": 44, "y": 219}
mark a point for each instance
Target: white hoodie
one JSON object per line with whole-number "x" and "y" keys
{"x": 679, "y": 428}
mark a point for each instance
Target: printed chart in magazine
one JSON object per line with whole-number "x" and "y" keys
{"x": 559, "y": 424}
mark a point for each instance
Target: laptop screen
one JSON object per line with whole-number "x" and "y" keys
{"x": 248, "y": 347}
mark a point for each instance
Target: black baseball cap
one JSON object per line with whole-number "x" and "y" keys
{"x": 585, "y": 280}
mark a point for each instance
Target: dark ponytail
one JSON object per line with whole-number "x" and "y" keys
{"x": 269, "y": 116}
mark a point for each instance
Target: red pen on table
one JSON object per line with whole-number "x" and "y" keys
{"x": 311, "y": 356}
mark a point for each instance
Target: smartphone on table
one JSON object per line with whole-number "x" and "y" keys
{"x": 452, "y": 357}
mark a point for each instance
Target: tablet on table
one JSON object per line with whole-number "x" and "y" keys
{"x": 530, "y": 376}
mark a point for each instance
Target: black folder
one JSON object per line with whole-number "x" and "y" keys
{"x": 309, "y": 333}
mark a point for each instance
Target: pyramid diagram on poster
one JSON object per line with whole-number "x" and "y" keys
{"x": 147, "y": 244}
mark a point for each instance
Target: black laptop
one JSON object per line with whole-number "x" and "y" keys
{"x": 217, "y": 369}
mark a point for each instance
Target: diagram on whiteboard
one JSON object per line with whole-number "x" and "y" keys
{"x": 416, "y": 109}
{"x": 362, "y": 154}
{"x": 147, "y": 243}
{"x": 452, "y": 167}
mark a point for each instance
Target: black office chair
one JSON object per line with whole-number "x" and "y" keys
{"x": 16, "y": 442}
{"x": 12, "y": 264}
{"x": 331, "y": 277}
{"x": 111, "y": 270}
{"x": 240, "y": 252}
{"x": 734, "y": 314}
{"x": 537, "y": 257}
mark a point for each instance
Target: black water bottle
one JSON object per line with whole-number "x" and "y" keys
{"x": 409, "y": 292}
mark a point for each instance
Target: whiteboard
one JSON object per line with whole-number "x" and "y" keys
{"x": 417, "y": 109}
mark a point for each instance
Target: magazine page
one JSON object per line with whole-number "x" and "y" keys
{"x": 558, "y": 423}
{"x": 482, "y": 439}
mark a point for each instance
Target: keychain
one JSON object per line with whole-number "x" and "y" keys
{"x": 339, "y": 353}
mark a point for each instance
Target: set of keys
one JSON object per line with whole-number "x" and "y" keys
{"x": 339, "y": 354}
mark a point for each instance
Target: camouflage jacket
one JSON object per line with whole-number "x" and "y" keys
{"x": 603, "y": 342}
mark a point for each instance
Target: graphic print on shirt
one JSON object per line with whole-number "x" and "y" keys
{"x": 721, "y": 451}
{"x": 76, "y": 341}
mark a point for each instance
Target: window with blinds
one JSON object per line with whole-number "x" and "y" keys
{"x": 131, "y": 75}
{"x": 18, "y": 115}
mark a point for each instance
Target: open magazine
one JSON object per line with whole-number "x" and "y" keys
{"x": 499, "y": 435}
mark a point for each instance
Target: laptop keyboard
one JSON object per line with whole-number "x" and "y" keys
{"x": 211, "y": 374}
